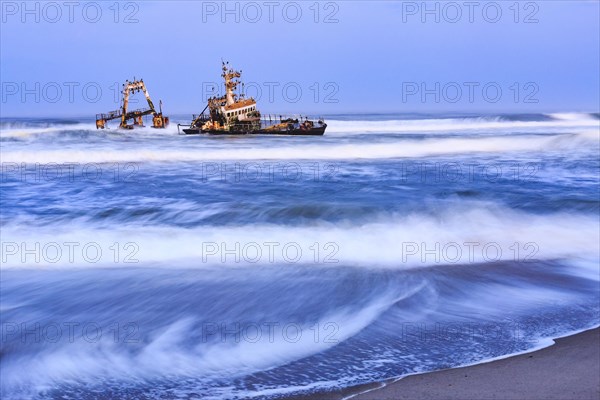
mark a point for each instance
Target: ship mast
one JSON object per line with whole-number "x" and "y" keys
{"x": 230, "y": 83}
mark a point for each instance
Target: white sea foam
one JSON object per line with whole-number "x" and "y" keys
{"x": 561, "y": 121}
{"x": 586, "y": 140}
{"x": 475, "y": 234}
{"x": 573, "y": 116}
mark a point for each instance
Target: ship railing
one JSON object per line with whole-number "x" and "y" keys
{"x": 202, "y": 117}
{"x": 109, "y": 115}
{"x": 274, "y": 119}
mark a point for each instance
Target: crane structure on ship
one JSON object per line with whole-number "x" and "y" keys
{"x": 129, "y": 88}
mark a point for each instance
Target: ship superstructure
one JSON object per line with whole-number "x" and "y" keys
{"x": 231, "y": 111}
{"x": 234, "y": 114}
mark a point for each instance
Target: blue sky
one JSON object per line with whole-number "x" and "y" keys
{"x": 343, "y": 56}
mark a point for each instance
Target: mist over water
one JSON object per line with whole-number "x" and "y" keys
{"x": 147, "y": 264}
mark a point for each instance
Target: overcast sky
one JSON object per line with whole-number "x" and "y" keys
{"x": 307, "y": 57}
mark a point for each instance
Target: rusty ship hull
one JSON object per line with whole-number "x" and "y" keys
{"x": 315, "y": 131}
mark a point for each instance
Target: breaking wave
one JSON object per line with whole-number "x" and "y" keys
{"x": 458, "y": 235}
{"x": 586, "y": 141}
{"x": 336, "y": 125}
{"x": 493, "y": 124}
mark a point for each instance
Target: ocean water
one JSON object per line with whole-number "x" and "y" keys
{"x": 151, "y": 265}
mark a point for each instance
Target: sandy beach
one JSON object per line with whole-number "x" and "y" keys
{"x": 567, "y": 370}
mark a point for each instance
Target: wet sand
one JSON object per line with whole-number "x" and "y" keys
{"x": 567, "y": 370}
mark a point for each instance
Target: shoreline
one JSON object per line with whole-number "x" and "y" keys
{"x": 569, "y": 369}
